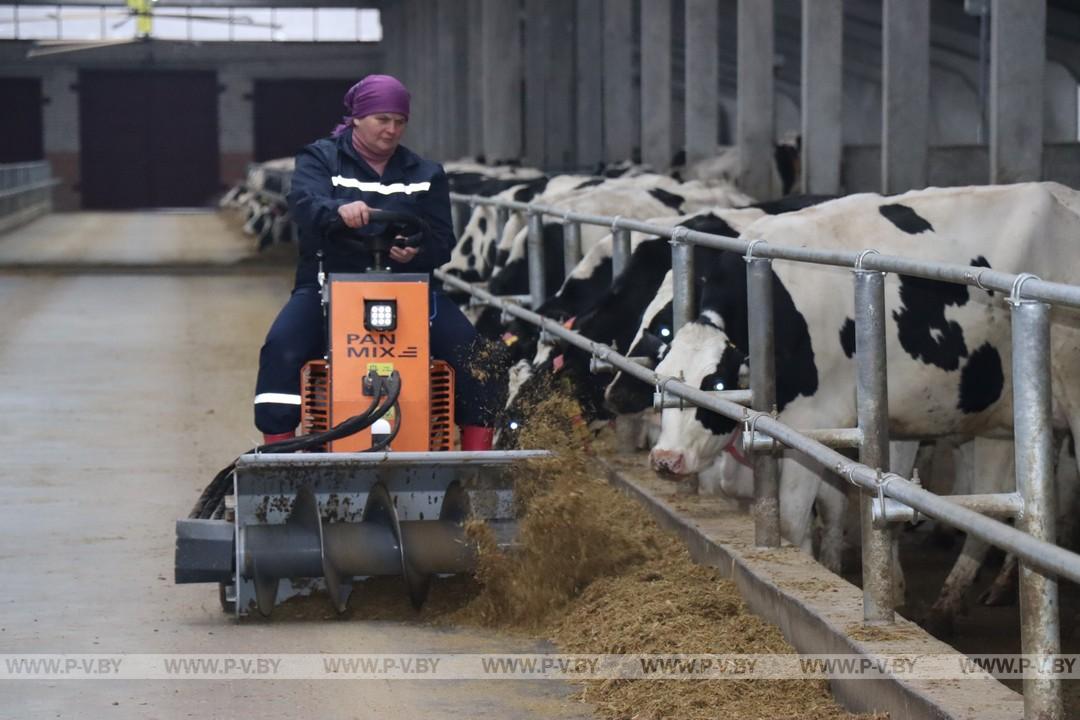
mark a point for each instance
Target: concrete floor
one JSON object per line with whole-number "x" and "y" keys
{"x": 121, "y": 394}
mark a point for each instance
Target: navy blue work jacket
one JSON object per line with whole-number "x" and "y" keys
{"x": 330, "y": 173}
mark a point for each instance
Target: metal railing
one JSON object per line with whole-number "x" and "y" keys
{"x": 25, "y": 192}
{"x": 885, "y": 497}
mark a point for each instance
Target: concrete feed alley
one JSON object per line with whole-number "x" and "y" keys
{"x": 124, "y": 390}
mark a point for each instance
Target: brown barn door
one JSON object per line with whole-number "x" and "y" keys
{"x": 20, "y": 121}
{"x": 291, "y": 113}
{"x": 148, "y": 139}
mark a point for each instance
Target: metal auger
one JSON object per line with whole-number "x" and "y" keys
{"x": 335, "y": 517}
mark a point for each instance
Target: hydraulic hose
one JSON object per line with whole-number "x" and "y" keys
{"x": 207, "y": 505}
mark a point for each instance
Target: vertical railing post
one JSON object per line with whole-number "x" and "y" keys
{"x": 626, "y": 427}
{"x": 458, "y": 217}
{"x": 1039, "y": 610}
{"x": 682, "y": 279}
{"x": 759, "y": 289}
{"x": 620, "y": 250}
{"x": 571, "y": 246}
{"x": 502, "y": 216}
{"x": 872, "y": 391}
{"x": 537, "y": 291}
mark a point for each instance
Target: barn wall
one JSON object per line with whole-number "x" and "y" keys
{"x": 563, "y": 104}
{"x": 238, "y": 66}
{"x": 955, "y": 165}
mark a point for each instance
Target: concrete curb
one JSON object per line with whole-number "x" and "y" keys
{"x": 818, "y": 612}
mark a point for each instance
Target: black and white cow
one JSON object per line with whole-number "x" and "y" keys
{"x": 724, "y": 167}
{"x": 949, "y": 346}
{"x": 627, "y": 395}
{"x": 606, "y": 314}
{"x": 467, "y": 175}
{"x": 557, "y": 190}
{"x": 473, "y": 257}
{"x": 640, "y": 197}
{"x": 260, "y": 197}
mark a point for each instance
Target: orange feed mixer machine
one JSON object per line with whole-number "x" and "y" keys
{"x": 372, "y": 486}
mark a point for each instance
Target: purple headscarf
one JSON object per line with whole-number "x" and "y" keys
{"x": 375, "y": 93}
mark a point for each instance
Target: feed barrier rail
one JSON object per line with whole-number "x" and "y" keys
{"x": 885, "y": 498}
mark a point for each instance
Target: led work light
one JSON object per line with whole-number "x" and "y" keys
{"x": 380, "y": 315}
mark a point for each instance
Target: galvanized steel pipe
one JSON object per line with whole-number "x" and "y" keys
{"x": 872, "y": 400}
{"x": 829, "y": 437}
{"x": 683, "y": 301}
{"x": 766, "y": 507}
{"x": 1039, "y": 609}
{"x": 537, "y": 291}
{"x": 620, "y": 251}
{"x": 1052, "y": 292}
{"x": 571, "y": 247}
{"x": 1003, "y": 505}
{"x": 502, "y": 216}
{"x": 459, "y": 217}
{"x": 1040, "y": 554}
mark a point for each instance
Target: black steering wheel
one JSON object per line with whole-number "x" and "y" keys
{"x": 402, "y": 229}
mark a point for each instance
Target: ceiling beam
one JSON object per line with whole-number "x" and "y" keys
{"x": 373, "y": 4}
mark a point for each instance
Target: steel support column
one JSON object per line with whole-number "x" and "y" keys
{"x": 589, "y": 82}
{"x": 766, "y": 507}
{"x": 702, "y": 78}
{"x": 683, "y": 301}
{"x": 656, "y": 115}
{"x": 571, "y": 246}
{"x": 501, "y": 54}
{"x": 502, "y": 216}
{"x": 872, "y": 392}
{"x": 537, "y": 291}
{"x": 459, "y": 216}
{"x": 905, "y": 94}
{"x": 822, "y": 95}
{"x": 755, "y": 136}
{"x": 1017, "y": 65}
{"x": 620, "y": 99}
{"x": 620, "y": 252}
{"x": 1039, "y": 610}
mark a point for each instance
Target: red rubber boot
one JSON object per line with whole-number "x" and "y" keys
{"x": 474, "y": 437}
{"x": 278, "y": 437}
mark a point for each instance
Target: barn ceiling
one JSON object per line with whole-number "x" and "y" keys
{"x": 216, "y": 3}
{"x": 954, "y": 36}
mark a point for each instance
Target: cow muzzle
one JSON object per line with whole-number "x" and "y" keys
{"x": 668, "y": 461}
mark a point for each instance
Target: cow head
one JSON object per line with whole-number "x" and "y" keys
{"x": 703, "y": 356}
{"x": 626, "y": 394}
{"x": 554, "y": 370}
{"x": 512, "y": 419}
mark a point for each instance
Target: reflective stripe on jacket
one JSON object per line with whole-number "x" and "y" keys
{"x": 329, "y": 173}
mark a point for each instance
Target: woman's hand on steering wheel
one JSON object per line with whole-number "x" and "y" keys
{"x": 403, "y": 254}
{"x": 355, "y": 214}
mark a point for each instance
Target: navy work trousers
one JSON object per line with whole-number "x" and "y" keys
{"x": 299, "y": 335}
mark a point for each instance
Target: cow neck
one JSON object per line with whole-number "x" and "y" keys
{"x": 373, "y": 157}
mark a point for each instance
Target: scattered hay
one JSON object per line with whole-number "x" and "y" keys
{"x": 810, "y": 586}
{"x": 489, "y": 360}
{"x": 573, "y": 530}
{"x": 882, "y": 633}
{"x": 594, "y": 573}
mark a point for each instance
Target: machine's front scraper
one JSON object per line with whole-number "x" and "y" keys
{"x": 295, "y": 523}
